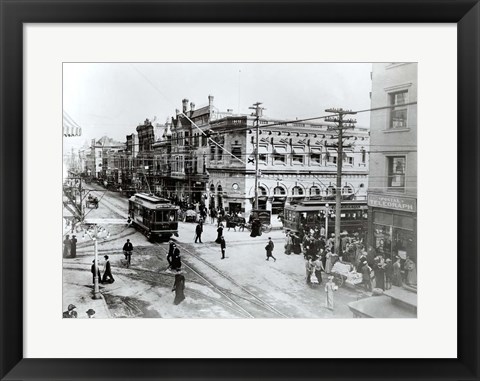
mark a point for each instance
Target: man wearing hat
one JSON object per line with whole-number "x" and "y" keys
{"x": 171, "y": 249}
{"x": 73, "y": 246}
{"x": 366, "y": 280}
{"x": 269, "y": 249}
{"x": 70, "y": 313}
{"x": 107, "y": 272}
{"x": 91, "y": 313}
{"x": 93, "y": 272}
{"x": 223, "y": 246}
{"x": 176, "y": 260}
{"x": 127, "y": 251}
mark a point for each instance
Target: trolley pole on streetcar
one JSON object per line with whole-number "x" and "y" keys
{"x": 258, "y": 113}
{"x": 341, "y": 125}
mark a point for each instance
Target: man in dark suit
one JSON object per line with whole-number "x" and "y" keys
{"x": 198, "y": 232}
{"x": 93, "y": 272}
{"x": 269, "y": 249}
{"x": 223, "y": 246}
{"x": 107, "y": 273}
{"x": 171, "y": 249}
{"x": 73, "y": 246}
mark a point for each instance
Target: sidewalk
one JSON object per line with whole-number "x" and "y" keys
{"x": 78, "y": 290}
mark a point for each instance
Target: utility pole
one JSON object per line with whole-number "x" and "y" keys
{"x": 342, "y": 124}
{"x": 258, "y": 113}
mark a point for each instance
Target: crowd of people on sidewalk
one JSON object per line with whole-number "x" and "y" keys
{"x": 320, "y": 256}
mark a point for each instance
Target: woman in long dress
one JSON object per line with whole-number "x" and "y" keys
{"x": 330, "y": 287}
{"x": 397, "y": 273}
{"x": 411, "y": 269}
{"x": 296, "y": 247}
{"x": 318, "y": 268}
{"x": 178, "y": 287}
{"x": 288, "y": 244}
{"x": 66, "y": 247}
{"x": 328, "y": 262}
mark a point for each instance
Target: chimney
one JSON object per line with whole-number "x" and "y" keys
{"x": 210, "y": 100}
{"x": 184, "y": 105}
{"x": 192, "y": 106}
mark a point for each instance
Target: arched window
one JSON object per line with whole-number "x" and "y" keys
{"x": 347, "y": 190}
{"x": 262, "y": 191}
{"x": 212, "y": 188}
{"x": 297, "y": 191}
{"x": 331, "y": 190}
{"x": 315, "y": 191}
{"x": 219, "y": 189}
{"x": 279, "y": 191}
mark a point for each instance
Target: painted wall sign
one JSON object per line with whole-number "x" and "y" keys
{"x": 392, "y": 202}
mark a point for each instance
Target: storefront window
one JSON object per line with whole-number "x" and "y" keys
{"x": 394, "y": 235}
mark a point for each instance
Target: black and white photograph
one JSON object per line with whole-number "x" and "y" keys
{"x": 225, "y": 190}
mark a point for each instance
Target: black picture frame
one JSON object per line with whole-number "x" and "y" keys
{"x": 465, "y": 13}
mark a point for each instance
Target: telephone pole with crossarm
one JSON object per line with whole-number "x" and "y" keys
{"x": 341, "y": 125}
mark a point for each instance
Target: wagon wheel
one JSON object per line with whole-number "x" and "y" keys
{"x": 266, "y": 228}
{"x": 338, "y": 279}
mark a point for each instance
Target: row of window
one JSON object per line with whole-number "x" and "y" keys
{"x": 296, "y": 191}
{"x": 217, "y": 153}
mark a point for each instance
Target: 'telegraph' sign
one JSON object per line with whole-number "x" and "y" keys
{"x": 392, "y": 202}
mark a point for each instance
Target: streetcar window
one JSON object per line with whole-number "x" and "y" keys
{"x": 172, "y": 216}
{"x": 147, "y": 213}
{"x": 161, "y": 216}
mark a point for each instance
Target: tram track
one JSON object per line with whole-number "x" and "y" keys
{"x": 251, "y": 298}
{"x": 247, "y": 304}
{"x": 153, "y": 278}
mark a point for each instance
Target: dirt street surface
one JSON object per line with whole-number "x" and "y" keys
{"x": 243, "y": 285}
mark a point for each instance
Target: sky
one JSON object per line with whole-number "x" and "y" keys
{"x": 114, "y": 98}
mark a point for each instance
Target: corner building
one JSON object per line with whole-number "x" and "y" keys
{"x": 296, "y": 162}
{"x": 392, "y": 189}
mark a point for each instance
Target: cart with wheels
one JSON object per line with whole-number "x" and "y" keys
{"x": 344, "y": 272}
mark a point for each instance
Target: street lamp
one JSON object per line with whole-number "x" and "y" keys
{"x": 328, "y": 211}
{"x": 94, "y": 237}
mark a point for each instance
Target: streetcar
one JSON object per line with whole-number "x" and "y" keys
{"x": 315, "y": 213}
{"x": 156, "y": 217}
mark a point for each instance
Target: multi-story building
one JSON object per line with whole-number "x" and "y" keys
{"x": 392, "y": 190}
{"x": 182, "y": 147}
{"x": 104, "y": 165}
{"x": 208, "y": 156}
{"x": 128, "y": 162}
{"x": 144, "y": 161}
{"x": 296, "y": 162}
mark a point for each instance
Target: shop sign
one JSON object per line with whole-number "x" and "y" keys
{"x": 392, "y": 202}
